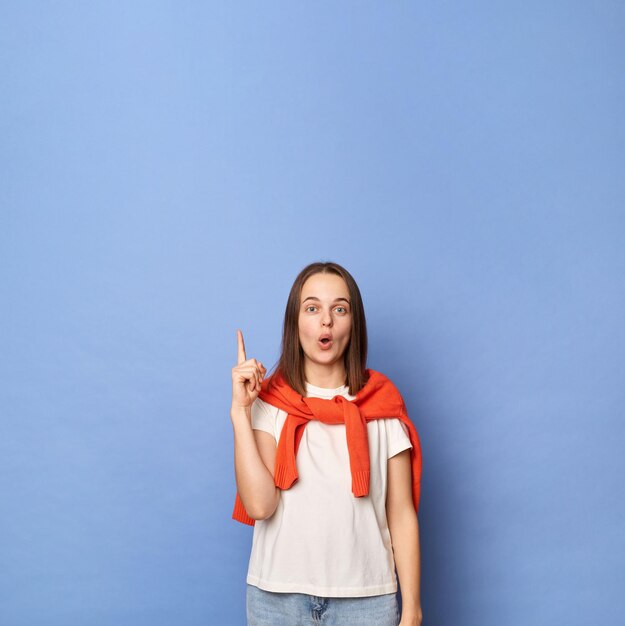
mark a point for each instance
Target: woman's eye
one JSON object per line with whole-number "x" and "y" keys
{"x": 341, "y": 309}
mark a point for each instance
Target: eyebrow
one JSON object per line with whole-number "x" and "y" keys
{"x": 335, "y": 300}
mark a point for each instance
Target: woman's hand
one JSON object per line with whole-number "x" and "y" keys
{"x": 414, "y": 620}
{"x": 247, "y": 376}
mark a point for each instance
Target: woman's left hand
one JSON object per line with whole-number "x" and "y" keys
{"x": 412, "y": 620}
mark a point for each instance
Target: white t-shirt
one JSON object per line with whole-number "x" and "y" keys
{"x": 321, "y": 539}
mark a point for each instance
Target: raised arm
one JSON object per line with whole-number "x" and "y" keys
{"x": 254, "y": 451}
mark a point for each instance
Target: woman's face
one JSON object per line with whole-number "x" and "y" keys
{"x": 325, "y": 318}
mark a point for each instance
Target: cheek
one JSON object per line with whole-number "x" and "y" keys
{"x": 304, "y": 332}
{"x": 346, "y": 325}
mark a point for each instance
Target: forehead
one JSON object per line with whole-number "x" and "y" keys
{"x": 324, "y": 286}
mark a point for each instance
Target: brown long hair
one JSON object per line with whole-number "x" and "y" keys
{"x": 291, "y": 362}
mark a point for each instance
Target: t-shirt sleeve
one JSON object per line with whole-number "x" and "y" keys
{"x": 263, "y": 418}
{"x": 398, "y": 437}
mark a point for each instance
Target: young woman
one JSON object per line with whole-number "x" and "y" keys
{"x": 328, "y": 469}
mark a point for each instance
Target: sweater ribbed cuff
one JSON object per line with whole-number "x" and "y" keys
{"x": 283, "y": 476}
{"x": 240, "y": 514}
{"x": 360, "y": 483}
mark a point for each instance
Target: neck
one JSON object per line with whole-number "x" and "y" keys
{"x": 327, "y": 376}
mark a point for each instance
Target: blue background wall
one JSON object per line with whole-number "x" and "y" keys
{"x": 167, "y": 170}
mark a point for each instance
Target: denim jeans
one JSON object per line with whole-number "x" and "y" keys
{"x": 270, "y": 608}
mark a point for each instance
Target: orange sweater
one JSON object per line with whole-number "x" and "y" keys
{"x": 378, "y": 399}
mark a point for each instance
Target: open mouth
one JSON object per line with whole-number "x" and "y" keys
{"x": 325, "y": 343}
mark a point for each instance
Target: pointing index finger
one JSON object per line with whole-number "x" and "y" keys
{"x": 241, "y": 348}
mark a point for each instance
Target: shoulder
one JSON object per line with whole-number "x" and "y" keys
{"x": 264, "y": 417}
{"x": 378, "y": 378}
{"x": 398, "y": 436}
{"x": 385, "y": 390}
{"x": 260, "y": 407}
{"x": 398, "y": 428}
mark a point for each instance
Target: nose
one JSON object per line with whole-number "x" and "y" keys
{"x": 326, "y": 320}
